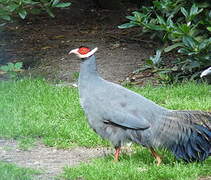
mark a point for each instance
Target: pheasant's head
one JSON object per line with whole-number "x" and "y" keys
{"x": 83, "y": 52}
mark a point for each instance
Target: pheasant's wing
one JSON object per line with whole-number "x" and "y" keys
{"x": 125, "y": 120}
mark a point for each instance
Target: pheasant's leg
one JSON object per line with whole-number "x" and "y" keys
{"x": 156, "y": 155}
{"x": 116, "y": 154}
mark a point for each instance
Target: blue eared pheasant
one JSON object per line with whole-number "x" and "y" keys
{"x": 121, "y": 115}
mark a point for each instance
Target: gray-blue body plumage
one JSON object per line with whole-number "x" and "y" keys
{"x": 120, "y": 115}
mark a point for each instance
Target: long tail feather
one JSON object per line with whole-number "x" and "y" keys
{"x": 197, "y": 144}
{"x": 196, "y": 148}
{"x": 186, "y": 133}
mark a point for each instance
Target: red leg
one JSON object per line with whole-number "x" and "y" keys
{"x": 156, "y": 155}
{"x": 116, "y": 155}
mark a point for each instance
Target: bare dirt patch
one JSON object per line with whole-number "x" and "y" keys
{"x": 49, "y": 160}
{"x": 43, "y": 43}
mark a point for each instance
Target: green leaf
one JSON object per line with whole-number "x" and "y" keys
{"x": 149, "y": 62}
{"x": 127, "y": 25}
{"x": 27, "y": 1}
{"x": 205, "y": 44}
{"x": 139, "y": 17}
{"x": 6, "y": 17}
{"x": 184, "y": 28}
{"x": 157, "y": 4}
{"x": 30, "y": 2}
{"x": 136, "y": 14}
{"x": 62, "y": 5}
{"x": 2, "y": 24}
{"x": 193, "y": 53}
{"x": 184, "y": 12}
{"x": 13, "y": 7}
{"x": 11, "y": 66}
{"x": 203, "y": 4}
{"x": 54, "y": 2}
{"x": 170, "y": 48}
{"x": 49, "y": 12}
{"x": 183, "y": 51}
{"x": 189, "y": 42}
{"x": 156, "y": 58}
{"x": 132, "y": 18}
{"x": 154, "y": 27}
{"x": 4, "y": 68}
{"x": 160, "y": 20}
{"x": 170, "y": 22}
{"x": 193, "y": 10}
{"x": 18, "y": 65}
{"x": 209, "y": 28}
{"x": 22, "y": 13}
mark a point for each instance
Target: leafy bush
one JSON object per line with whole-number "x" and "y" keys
{"x": 183, "y": 26}
{"x": 9, "y": 8}
{"x": 11, "y": 69}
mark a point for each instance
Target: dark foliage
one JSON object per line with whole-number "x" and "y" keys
{"x": 182, "y": 26}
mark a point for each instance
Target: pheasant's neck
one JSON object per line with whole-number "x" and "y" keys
{"x": 88, "y": 70}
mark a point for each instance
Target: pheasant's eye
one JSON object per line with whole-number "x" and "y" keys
{"x": 83, "y": 50}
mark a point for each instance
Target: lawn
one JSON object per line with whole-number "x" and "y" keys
{"x": 139, "y": 165}
{"x": 12, "y": 172}
{"x": 35, "y": 109}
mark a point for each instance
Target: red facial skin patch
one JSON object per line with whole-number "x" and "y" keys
{"x": 84, "y": 50}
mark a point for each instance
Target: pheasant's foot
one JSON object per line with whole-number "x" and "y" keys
{"x": 116, "y": 154}
{"x": 157, "y": 156}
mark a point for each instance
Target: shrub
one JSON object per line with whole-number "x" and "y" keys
{"x": 184, "y": 26}
{"x": 11, "y": 69}
{"x": 9, "y": 8}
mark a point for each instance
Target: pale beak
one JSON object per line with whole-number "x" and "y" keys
{"x": 74, "y": 51}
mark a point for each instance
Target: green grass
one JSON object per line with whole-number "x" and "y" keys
{"x": 187, "y": 96}
{"x": 35, "y": 109}
{"x": 139, "y": 165}
{"x": 13, "y": 172}
{"x": 32, "y": 109}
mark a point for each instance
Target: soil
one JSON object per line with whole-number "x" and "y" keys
{"x": 43, "y": 43}
{"x": 50, "y": 161}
